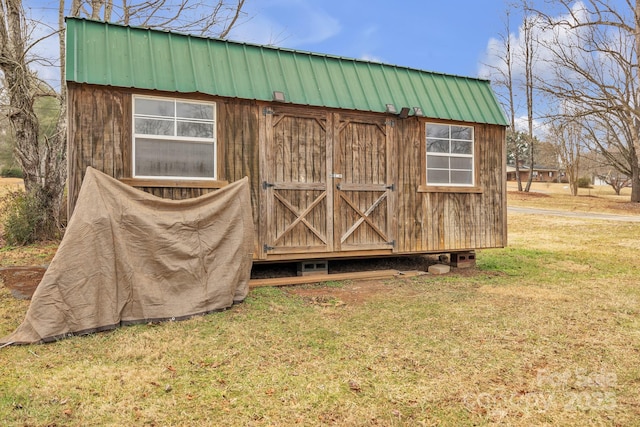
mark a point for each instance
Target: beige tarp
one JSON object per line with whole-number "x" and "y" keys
{"x": 128, "y": 257}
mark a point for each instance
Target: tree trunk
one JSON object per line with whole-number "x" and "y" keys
{"x": 517, "y": 159}
{"x": 635, "y": 184}
{"x": 530, "y": 179}
{"x": 635, "y": 169}
{"x": 44, "y": 179}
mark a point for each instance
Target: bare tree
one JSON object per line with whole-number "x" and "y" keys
{"x": 608, "y": 137}
{"x": 514, "y": 71}
{"x": 616, "y": 180}
{"x": 213, "y": 18}
{"x": 6, "y": 139}
{"x": 594, "y": 53}
{"x": 567, "y": 137}
{"x": 43, "y": 160}
{"x": 528, "y": 60}
{"x": 509, "y": 82}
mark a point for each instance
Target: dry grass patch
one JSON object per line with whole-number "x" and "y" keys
{"x": 544, "y": 332}
{"x": 557, "y": 197}
{"x": 10, "y": 184}
{"x": 36, "y": 254}
{"x": 524, "y": 292}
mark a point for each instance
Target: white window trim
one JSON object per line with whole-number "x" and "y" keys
{"x": 449, "y": 155}
{"x": 176, "y": 138}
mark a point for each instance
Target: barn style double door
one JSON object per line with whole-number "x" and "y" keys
{"x": 327, "y": 182}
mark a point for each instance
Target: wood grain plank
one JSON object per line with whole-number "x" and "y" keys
{"x": 320, "y": 278}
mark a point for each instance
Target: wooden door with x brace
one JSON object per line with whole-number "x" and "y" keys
{"x": 326, "y": 182}
{"x": 363, "y": 187}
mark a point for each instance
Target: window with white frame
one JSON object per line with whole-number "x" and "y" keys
{"x": 449, "y": 155}
{"x": 174, "y": 138}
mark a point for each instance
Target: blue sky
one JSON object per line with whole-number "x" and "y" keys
{"x": 457, "y": 37}
{"x": 451, "y": 37}
{"x": 442, "y": 36}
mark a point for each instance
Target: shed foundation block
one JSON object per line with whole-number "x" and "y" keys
{"x": 310, "y": 268}
{"x": 439, "y": 269}
{"x": 463, "y": 259}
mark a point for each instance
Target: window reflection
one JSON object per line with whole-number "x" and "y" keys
{"x": 174, "y": 138}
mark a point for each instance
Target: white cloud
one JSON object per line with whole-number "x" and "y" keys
{"x": 370, "y": 58}
{"x": 306, "y": 24}
{"x": 540, "y": 129}
{"x": 493, "y": 63}
{"x": 493, "y": 66}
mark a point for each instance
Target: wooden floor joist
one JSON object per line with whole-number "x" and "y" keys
{"x": 320, "y": 278}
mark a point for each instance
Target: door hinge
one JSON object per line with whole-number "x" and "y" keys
{"x": 268, "y": 248}
{"x": 266, "y": 185}
{"x": 266, "y": 110}
{"x": 391, "y": 123}
{"x": 391, "y": 187}
{"x": 392, "y": 243}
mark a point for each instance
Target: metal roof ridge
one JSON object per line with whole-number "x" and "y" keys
{"x": 278, "y": 48}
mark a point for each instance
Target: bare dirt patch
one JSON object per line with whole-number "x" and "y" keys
{"x": 362, "y": 291}
{"x": 22, "y": 281}
{"x": 353, "y": 293}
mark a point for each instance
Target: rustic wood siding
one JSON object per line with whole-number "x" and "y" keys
{"x": 238, "y": 129}
{"x": 414, "y": 221}
{"x": 293, "y": 150}
{"x": 445, "y": 221}
{"x": 99, "y": 134}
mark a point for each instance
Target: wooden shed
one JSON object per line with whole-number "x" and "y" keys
{"x": 346, "y": 158}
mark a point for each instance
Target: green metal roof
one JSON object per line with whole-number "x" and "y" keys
{"x": 114, "y": 55}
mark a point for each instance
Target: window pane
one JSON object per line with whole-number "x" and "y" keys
{"x": 196, "y": 130}
{"x": 461, "y": 132}
{"x": 171, "y": 158}
{"x": 461, "y": 177}
{"x": 437, "y": 176}
{"x": 154, "y": 126}
{"x": 438, "y": 131}
{"x": 194, "y": 111}
{"x": 465, "y": 163}
{"x": 437, "y": 162}
{"x": 461, "y": 147}
{"x": 449, "y": 154}
{"x": 437, "y": 146}
{"x": 154, "y": 107}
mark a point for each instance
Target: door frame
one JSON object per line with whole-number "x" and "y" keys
{"x": 334, "y": 247}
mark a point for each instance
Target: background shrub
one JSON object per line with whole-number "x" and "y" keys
{"x": 22, "y": 218}
{"x": 11, "y": 172}
{"x": 584, "y": 182}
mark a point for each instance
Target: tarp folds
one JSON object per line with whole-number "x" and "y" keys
{"x": 129, "y": 257}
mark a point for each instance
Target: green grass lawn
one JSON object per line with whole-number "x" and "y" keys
{"x": 544, "y": 332}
